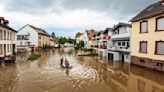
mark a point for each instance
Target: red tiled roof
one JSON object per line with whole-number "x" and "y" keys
{"x": 90, "y": 34}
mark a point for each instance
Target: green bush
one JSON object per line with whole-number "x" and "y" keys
{"x": 34, "y": 56}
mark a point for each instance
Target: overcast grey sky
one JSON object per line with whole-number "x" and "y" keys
{"x": 66, "y": 17}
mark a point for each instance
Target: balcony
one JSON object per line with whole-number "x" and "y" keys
{"x": 103, "y": 47}
{"x": 112, "y": 48}
{"x": 121, "y": 36}
{"x": 106, "y": 38}
{"x": 123, "y": 49}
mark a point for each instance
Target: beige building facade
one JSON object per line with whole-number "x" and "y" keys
{"x": 7, "y": 40}
{"x": 44, "y": 40}
{"x": 148, "y": 37}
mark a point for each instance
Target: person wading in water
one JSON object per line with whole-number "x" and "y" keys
{"x": 61, "y": 61}
{"x": 66, "y": 63}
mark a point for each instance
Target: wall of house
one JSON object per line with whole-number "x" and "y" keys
{"x": 8, "y": 41}
{"x": 84, "y": 38}
{"x": 116, "y": 56}
{"x": 22, "y": 42}
{"x": 33, "y": 35}
{"x": 151, "y": 37}
{"x": 102, "y": 52}
{"x": 109, "y": 42}
{"x": 44, "y": 40}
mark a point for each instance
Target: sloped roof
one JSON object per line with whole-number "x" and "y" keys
{"x": 121, "y": 24}
{"x": 90, "y": 34}
{"x": 108, "y": 29}
{"x": 7, "y": 27}
{"x": 100, "y": 32}
{"x": 151, "y": 11}
{"x": 39, "y": 30}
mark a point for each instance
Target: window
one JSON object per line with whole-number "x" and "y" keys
{"x": 123, "y": 43}
{"x": 1, "y": 49}
{"x": 8, "y": 48}
{"x": 4, "y": 35}
{"x": 119, "y": 43}
{"x": 160, "y": 24}
{"x": 159, "y": 47}
{"x": 128, "y": 44}
{"x": 10, "y": 36}
{"x": 143, "y": 47}
{"x": 1, "y": 34}
{"x": 144, "y": 27}
{"x": 21, "y": 43}
{"x": 39, "y": 37}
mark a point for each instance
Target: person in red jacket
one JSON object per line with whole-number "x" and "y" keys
{"x": 66, "y": 63}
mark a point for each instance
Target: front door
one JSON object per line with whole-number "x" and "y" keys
{"x": 122, "y": 57}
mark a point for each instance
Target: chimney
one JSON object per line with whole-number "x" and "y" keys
{"x": 1, "y": 20}
{"x": 162, "y": 2}
{"x": 6, "y": 22}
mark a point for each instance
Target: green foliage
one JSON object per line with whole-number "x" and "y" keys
{"x": 80, "y": 45}
{"x": 78, "y": 34}
{"x": 63, "y": 40}
{"x": 47, "y": 46}
{"x": 34, "y": 56}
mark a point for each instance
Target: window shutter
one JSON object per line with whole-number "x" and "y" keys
{"x": 160, "y": 24}
{"x": 160, "y": 48}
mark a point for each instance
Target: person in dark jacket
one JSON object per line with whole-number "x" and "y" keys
{"x": 61, "y": 61}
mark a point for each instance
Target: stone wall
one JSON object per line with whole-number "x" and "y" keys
{"x": 149, "y": 63}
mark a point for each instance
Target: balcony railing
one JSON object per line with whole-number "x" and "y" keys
{"x": 106, "y": 37}
{"x": 102, "y": 47}
{"x": 126, "y": 49}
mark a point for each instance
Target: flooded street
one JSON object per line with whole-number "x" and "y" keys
{"x": 88, "y": 74}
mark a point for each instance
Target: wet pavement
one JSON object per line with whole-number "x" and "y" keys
{"x": 88, "y": 74}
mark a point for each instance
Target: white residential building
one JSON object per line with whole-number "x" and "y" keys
{"x": 32, "y": 37}
{"x": 7, "y": 40}
{"x": 104, "y": 41}
{"x": 23, "y": 42}
{"x": 86, "y": 37}
{"x": 119, "y": 48}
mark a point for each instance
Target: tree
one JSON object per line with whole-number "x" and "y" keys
{"x": 78, "y": 34}
{"x": 80, "y": 44}
{"x": 62, "y": 40}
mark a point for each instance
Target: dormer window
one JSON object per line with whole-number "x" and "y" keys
{"x": 159, "y": 24}
{"x": 144, "y": 27}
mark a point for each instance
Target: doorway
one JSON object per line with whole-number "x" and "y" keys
{"x": 110, "y": 56}
{"x": 122, "y": 58}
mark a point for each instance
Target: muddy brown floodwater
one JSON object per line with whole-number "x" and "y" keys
{"x": 88, "y": 74}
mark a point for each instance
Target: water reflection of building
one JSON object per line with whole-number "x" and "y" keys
{"x": 142, "y": 80}
{"x": 8, "y": 78}
{"x": 115, "y": 75}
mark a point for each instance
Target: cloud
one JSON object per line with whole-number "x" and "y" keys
{"x": 70, "y": 16}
